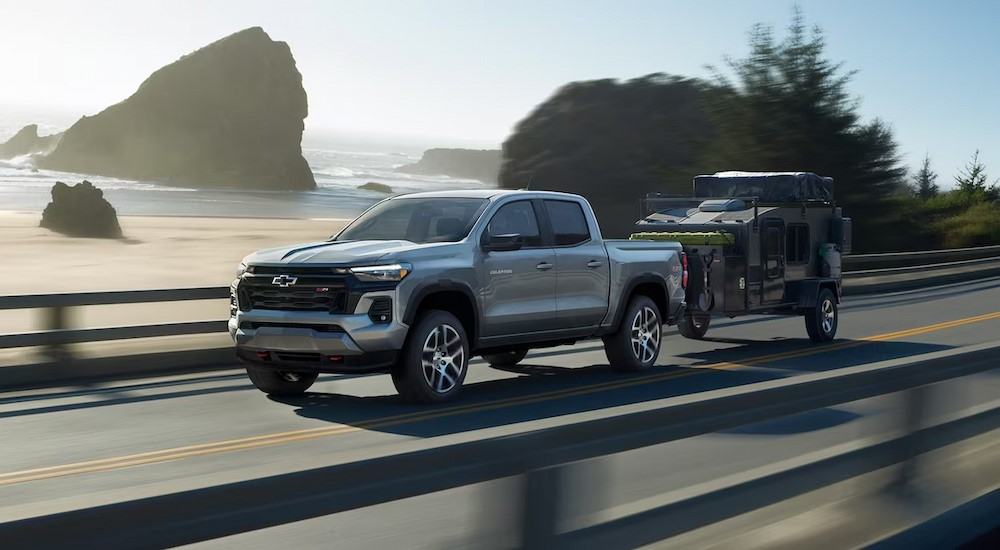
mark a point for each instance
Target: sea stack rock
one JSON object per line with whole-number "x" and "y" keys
{"x": 81, "y": 211}
{"x": 27, "y": 141}
{"x": 228, "y": 115}
{"x": 482, "y": 164}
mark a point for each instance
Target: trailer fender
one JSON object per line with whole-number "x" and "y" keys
{"x": 808, "y": 291}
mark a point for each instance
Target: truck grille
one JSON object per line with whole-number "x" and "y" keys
{"x": 312, "y": 291}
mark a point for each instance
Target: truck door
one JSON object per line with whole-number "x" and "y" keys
{"x": 773, "y": 258}
{"x": 518, "y": 286}
{"x": 582, "y": 270}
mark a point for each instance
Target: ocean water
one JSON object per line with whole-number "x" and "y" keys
{"x": 338, "y": 172}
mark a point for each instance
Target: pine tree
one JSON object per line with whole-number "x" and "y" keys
{"x": 788, "y": 108}
{"x": 925, "y": 180}
{"x": 972, "y": 182}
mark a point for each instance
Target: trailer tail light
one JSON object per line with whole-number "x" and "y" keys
{"x": 684, "y": 270}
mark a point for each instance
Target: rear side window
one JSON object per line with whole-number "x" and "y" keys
{"x": 569, "y": 224}
{"x": 516, "y": 217}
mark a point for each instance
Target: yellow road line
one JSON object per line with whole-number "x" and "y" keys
{"x": 417, "y": 416}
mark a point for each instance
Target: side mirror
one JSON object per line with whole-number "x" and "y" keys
{"x": 502, "y": 243}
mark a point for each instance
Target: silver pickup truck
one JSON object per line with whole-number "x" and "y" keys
{"x": 420, "y": 283}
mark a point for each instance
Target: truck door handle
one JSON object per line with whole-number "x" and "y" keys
{"x": 544, "y": 266}
{"x": 594, "y": 263}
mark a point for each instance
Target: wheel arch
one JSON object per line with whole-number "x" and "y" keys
{"x": 808, "y": 292}
{"x": 646, "y": 284}
{"x": 455, "y": 298}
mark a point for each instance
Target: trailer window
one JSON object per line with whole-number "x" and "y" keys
{"x": 797, "y": 244}
{"x": 772, "y": 242}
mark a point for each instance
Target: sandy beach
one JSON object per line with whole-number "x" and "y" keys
{"x": 157, "y": 252}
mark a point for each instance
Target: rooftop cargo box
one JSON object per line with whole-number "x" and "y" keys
{"x": 769, "y": 187}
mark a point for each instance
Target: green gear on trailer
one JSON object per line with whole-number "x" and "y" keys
{"x": 717, "y": 238}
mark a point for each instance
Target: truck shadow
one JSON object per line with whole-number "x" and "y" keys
{"x": 540, "y": 391}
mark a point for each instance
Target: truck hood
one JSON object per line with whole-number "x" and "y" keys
{"x": 327, "y": 252}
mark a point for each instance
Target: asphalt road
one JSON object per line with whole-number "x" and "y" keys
{"x": 65, "y": 448}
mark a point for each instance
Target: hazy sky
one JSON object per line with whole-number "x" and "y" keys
{"x": 466, "y": 71}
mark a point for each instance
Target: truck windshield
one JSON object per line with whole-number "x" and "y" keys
{"x": 418, "y": 220}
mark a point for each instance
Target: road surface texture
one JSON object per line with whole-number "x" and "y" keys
{"x": 73, "y": 447}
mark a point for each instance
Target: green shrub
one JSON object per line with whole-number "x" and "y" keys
{"x": 979, "y": 225}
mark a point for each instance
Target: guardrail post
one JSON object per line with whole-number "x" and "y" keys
{"x": 914, "y": 408}
{"x": 540, "y": 500}
{"x": 56, "y": 321}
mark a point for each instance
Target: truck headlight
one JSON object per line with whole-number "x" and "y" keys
{"x": 241, "y": 269}
{"x": 394, "y": 272}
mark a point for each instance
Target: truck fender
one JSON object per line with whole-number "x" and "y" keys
{"x": 634, "y": 282}
{"x": 441, "y": 285}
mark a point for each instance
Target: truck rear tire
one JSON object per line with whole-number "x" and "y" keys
{"x": 636, "y": 344}
{"x": 505, "y": 359}
{"x": 434, "y": 359}
{"x": 275, "y": 382}
{"x": 694, "y": 325}
{"x": 821, "y": 321}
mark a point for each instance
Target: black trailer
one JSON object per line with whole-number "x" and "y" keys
{"x": 756, "y": 243}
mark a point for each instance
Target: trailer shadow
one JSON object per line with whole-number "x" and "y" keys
{"x": 542, "y": 391}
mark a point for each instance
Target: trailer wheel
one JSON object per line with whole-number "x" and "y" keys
{"x": 636, "y": 344}
{"x": 694, "y": 325}
{"x": 821, "y": 321}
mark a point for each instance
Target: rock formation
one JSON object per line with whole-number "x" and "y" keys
{"x": 482, "y": 164}
{"x": 612, "y": 142}
{"x": 377, "y": 187}
{"x": 81, "y": 211}
{"x": 228, "y": 115}
{"x": 27, "y": 141}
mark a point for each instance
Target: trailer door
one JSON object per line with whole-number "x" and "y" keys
{"x": 773, "y": 249}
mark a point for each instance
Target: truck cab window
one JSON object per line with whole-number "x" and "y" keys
{"x": 516, "y": 217}
{"x": 569, "y": 225}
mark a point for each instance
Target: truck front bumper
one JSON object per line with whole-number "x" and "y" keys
{"x": 316, "y": 341}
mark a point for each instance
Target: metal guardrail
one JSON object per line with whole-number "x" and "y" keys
{"x": 902, "y": 259}
{"x": 541, "y": 457}
{"x": 57, "y": 335}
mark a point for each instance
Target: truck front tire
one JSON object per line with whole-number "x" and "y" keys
{"x": 694, "y": 325}
{"x": 636, "y": 344}
{"x": 434, "y": 359}
{"x": 275, "y": 382}
{"x": 821, "y": 321}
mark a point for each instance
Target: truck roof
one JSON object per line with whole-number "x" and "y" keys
{"x": 485, "y": 194}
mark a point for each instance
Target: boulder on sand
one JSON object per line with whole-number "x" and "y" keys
{"x": 228, "y": 115}
{"x": 377, "y": 187}
{"x": 81, "y": 211}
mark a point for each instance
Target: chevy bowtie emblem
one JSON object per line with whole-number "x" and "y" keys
{"x": 284, "y": 280}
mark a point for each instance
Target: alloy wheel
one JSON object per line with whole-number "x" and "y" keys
{"x": 645, "y": 335}
{"x": 828, "y": 316}
{"x": 443, "y": 358}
